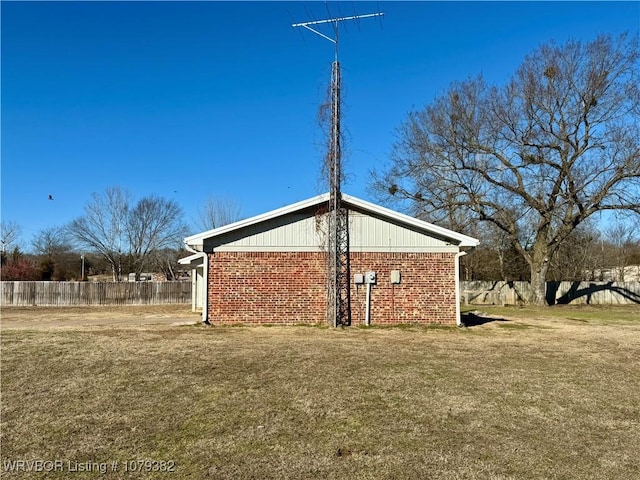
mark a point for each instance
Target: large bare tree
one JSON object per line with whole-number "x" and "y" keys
{"x": 153, "y": 224}
{"x": 535, "y": 157}
{"x": 102, "y": 228}
{"x": 117, "y": 229}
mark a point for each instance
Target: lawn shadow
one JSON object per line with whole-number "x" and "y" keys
{"x": 474, "y": 319}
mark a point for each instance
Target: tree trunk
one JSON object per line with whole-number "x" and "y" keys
{"x": 538, "y": 284}
{"x": 539, "y": 263}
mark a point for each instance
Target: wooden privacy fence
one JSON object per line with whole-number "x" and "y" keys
{"x": 517, "y": 293}
{"x": 149, "y": 293}
{"x": 94, "y": 293}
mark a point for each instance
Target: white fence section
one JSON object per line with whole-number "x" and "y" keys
{"x": 516, "y": 293}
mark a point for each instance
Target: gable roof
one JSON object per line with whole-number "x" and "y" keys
{"x": 196, "y": 241}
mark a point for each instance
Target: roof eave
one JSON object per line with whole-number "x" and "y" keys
{"x": 193, "y": 260}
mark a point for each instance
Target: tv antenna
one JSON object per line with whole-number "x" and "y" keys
{"x": 338, "y": 272}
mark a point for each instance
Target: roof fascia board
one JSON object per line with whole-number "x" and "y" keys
{"x": 196, "y": 257}
{"x": 375, "y": 249}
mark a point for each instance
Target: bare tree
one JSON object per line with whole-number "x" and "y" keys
{"x": 153, "y": 224}
{"x": 102, "y": 228}
{"x": 535, "y": 157}
{"x": 55, "y": 252}
{"x": 51, "y": 241}
{"x": 9, "y": 234}
{"x": 623, "y": 240}
{"x": 122, "y": 232}
{"x": 166, "y": 262}
{"x": 577, "y": 257}
{"x": 495, "y": 258}
{"x": 217, "y": 212}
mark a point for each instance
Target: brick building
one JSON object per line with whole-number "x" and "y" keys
{"x": 272, "y": 268}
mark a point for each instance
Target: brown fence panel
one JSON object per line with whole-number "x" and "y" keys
{"x": 494, "y": 293}
{"x": 150, "y": 293}
{"x": 594, "y": 293}
{"x": 517, "y": 293}
{"x": 94, "y": 293}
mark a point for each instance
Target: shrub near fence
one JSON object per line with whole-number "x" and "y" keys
{"x": 516, "y": 293}
{"x": 94, "y": 293}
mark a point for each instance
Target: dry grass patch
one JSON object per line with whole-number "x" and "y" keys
{"x": 79, "y": 316}
{"x": 292, "y": 402}
{"x": 594, "y": 314}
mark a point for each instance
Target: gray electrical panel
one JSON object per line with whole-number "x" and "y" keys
{"x": 395, "y": 276}
{"x": 370, "y": 277}
{"x": 358, "y": 278}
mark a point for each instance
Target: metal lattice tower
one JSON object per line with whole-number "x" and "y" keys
{"x": 338, "y": 286}
{"x": 338, "y": 291}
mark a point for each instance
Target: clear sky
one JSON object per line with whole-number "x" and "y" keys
{"x": 191, "y": 100}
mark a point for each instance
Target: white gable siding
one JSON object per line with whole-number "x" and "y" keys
{"x": 299, "y": 232}
{"x": 292, "y": 233}
{"x": 369, "y": 233}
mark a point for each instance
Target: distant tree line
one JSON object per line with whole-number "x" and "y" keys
{"x": 590, "y": 254}
{"x": 115, "y": 235}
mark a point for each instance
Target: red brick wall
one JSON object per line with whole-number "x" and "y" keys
{"x": 267, "y": 287}
{"x": 426, "y": 292}
{"x": 289, "y": 288}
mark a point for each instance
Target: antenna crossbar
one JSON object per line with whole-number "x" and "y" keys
{"x": 337, "y": 19}
{"x": 334, "y": 21}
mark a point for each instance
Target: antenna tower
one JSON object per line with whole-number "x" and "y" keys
{"x": 338, "y": 287}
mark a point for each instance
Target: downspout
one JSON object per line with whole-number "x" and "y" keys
{"x": 205, "y": 276}
{"x": 457, "y": 274}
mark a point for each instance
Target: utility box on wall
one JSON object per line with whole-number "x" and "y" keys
{"x": 358, "y": 278}
{"x": 370, "y": 277}
{"x": 395, "y": 276}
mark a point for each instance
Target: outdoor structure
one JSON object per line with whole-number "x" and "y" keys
{"x": 272, "y": 268}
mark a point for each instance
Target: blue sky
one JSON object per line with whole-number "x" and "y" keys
{"x": 191, "y": 100}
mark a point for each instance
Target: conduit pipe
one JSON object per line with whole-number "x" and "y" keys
{"x": 367, "y": 311}
{"x": 205, "y": 279}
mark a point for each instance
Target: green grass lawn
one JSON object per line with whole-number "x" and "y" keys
{"x": 507, "y": 399}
